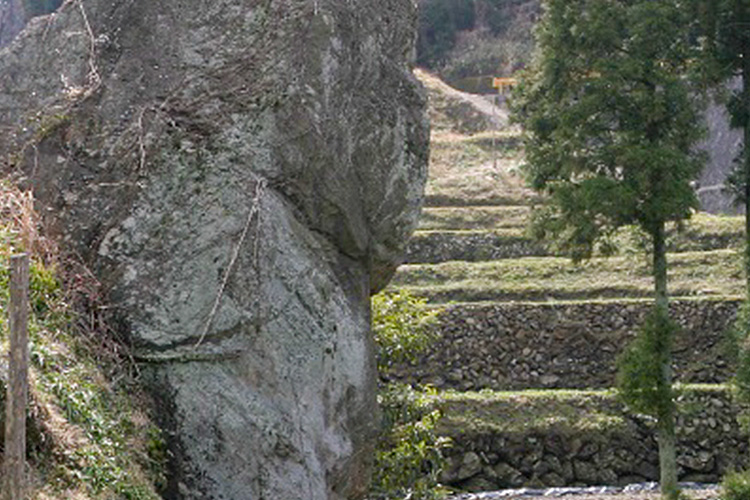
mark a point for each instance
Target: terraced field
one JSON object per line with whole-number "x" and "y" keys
{"x": 472, "y": 256}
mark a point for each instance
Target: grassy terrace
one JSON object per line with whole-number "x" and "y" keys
{"x": 714, "y": 273}
{"x": 525, "y": 411}
{"x": 702, "y": 232}
{"x": 540, "y": 410}
{"x": 466, "y": 170}
{"x": 474, "y": 218}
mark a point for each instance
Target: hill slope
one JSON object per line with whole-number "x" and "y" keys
{"x": 519, "y": 317}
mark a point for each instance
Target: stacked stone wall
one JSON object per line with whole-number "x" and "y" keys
{"x": 470, "y": 246}
{"x": 563, "y": 345}
{"x": 710, "y": 443}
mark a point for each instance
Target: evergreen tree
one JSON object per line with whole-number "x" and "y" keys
{"x": 610, "y": 123}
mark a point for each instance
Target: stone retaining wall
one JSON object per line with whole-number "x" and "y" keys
{"x": 710, "y": 442}
{"x": 472, "y": 246}
{"x": 563, "y": 345}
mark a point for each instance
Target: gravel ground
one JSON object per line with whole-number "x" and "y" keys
{"x": 648, "y": 491}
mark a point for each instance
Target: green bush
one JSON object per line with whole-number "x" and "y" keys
{"x": 739, "y": 351}
{"x": 400, "y": 322}
{"x": 736, "y": 486}
{"x": 408, "y": 458}
{"x": 639, "y": 377}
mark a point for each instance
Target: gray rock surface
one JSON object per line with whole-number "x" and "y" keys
{"x": 12, "y": 20}
{"x": 722, "y": 144}
{"x": 240, "y": 175}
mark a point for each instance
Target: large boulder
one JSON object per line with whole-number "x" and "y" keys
{"x": 240, "y": 175}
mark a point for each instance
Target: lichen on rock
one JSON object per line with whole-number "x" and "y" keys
{"x": 241, "y": 175}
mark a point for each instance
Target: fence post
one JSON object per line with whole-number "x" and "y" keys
{"x": 14, "y": 467}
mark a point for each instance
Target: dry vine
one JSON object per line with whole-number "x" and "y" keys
{"x": 254, "y": 211}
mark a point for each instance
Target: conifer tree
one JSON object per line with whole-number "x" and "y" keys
{"x": 610, "y": 122}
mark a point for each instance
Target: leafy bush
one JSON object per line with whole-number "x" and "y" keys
{"x": 400, "y": 322}
{"x": 736, "y": 486}
{"x": 639, "y": 377}
{"x": 408, "y": 457}
{"x": 739, "y": 350}
{"x": 409, "y": 460}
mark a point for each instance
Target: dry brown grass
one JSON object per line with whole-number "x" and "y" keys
{"x": 22, "y": 224}
{"x": 467, "y": 170}
{"x": 475, "y": 153}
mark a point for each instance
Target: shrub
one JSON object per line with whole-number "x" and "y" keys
{"x": 736, "y": 486}
{"x": 639, "y": 377}
{"x": 739, "y": 351}
{"x": 400, "y": 322}
{"x": 408, "y": 457}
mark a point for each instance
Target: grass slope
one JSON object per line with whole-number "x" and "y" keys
{"x": 88, "y": 436}
{"x": 542, "y": 410}
{"x": 474, "y": 218}
{"x": 715, "y": 273}
{"x": 489, "y": 234}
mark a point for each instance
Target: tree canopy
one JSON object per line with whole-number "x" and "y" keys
{"x": 609, "y": 118}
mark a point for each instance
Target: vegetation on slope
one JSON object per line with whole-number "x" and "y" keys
{"x": 565, "y": 411}
{"x": 408, "y": 458}
{"x": 465, "y": 39}
{"x": 89, "y": 437}
{"x": 716, "y": 273}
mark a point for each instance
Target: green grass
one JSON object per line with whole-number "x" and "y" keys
{"x": 706, "y": 231}
{"x": 528, "y": 411}
{"x": 487, "y": 233}
{"x": 474, "y": 218}
{"x": 715, "y": 273}
{"x": 702, "y": 232}
{"x": 92, "y": 439}
{"x": 537, "y": 411}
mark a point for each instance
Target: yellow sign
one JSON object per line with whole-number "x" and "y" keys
{"x": 502, "y": 84}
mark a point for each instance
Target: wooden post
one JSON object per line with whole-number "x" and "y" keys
{"x": 14, "y": 467}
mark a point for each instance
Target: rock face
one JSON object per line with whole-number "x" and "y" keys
{"x": 722, "y": 144}
{"x": 240, "y": 175}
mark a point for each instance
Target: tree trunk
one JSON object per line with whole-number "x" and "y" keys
{"x": 665, "y": 425}
{"x": 667, "y": 457}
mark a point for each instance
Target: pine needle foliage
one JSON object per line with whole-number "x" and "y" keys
{"x": 610, "y": 119}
